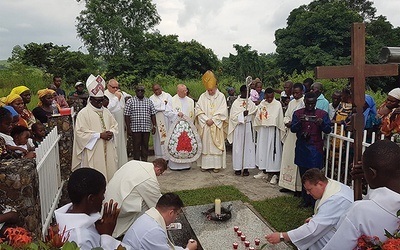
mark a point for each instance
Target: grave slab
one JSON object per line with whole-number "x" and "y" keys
{"x": 219, "y": 235}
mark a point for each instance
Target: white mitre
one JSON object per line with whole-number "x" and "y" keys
{"x": 95, "y": 86}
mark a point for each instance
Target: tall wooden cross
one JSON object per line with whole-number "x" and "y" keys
{"x": 357, "y": 72}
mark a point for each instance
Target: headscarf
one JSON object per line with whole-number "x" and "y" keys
{"x": 395, "y": 93}
{"x": 12, "y": 110}
{"x": 18, "y": 90}
{"x": 370, "y": 110}
{"x": 10, "y": 98}
{"x": 42, "y": 93}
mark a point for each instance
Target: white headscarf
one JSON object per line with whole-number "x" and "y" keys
{"x": 395, "y": 93}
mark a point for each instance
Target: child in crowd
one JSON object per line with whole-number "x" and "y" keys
{"x": 5, "y": 138}
{"x": 38, "y": 134}
{"x": 20, "y": 135}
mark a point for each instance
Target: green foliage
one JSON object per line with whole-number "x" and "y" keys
{"x": 311, "y": 40}
{"x": 115, "y": 28}
{"x": 164, "y": 55}
{"x": 56, "y": 60}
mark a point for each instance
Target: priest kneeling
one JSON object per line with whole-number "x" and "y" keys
{"x": 333, "y": 200}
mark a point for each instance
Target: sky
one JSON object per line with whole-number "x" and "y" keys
{"x": 217, "y": 24}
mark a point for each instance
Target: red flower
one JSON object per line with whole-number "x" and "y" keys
{"x": 184, "y": 143}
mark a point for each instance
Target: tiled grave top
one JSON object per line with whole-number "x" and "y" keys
{"x": 215, "y": 235}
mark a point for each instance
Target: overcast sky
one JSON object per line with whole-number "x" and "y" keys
{"x": 217, "y": 24}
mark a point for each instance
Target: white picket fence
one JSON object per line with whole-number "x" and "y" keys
{"x": 50, "y": 184}
{"x": 338, "y": 153}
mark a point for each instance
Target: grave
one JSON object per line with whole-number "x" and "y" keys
{"x": 219, "y": 235}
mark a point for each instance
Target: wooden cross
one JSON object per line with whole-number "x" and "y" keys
{"x": 357, "y": 72}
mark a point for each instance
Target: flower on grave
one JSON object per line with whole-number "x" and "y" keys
{"x": 372, "y": 242}
{"x": 17, "y": 236}
{"x": 183, "y": 144}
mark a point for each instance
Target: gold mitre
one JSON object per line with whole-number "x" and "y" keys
{"x": 209, "y": 80}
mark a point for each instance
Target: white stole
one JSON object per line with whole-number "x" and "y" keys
{"x": 333, "y": 187}
{"x": 153, "y": 213}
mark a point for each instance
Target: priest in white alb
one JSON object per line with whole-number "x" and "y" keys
{"x": 211, "y": 115}
{"x": 268, "y": 122}
{"x": 180, "y": 106}
{"x": 95, "y": 129}
{"x": 289, "y": 178}
{"x": 333, "y": 200}
{"x": 160, "y": 100}
{"x": 116, "y": 106}
{"x": 240, "y": 133}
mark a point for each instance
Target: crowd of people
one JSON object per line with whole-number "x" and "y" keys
{"x": 281, "y": 137}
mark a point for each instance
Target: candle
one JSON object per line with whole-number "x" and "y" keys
{"x": 246, "y": 243}
{"x": 235, "y": 228}
{"x": 217, "y": 206}
{"x": 251, "y": 248}
{"x": 257, "y": 241}
{"x": 243, "y": 237}
{"x": 235, "y": 245}
{"x": 239, "y": 233}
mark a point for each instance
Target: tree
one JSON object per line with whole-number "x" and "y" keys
{"x": 55, "y": 60}
{"x": 116, "y": 28}
{"x": 165, "y": 55}
{"x": 315, "y": 35}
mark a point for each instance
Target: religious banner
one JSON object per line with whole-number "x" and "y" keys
{"x": 162, "y": 131}
{"x": 183, "y": 144}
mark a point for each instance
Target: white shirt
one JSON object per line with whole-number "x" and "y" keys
{"x": 135, "y": 188}
{"x": 315, "y": 234}
{"x": 369, "y": 217}
{"x": 147, "y": 234}
{"x": 82, "y": 230}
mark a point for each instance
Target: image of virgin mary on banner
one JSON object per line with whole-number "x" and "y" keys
{"x": 183, "y": 144}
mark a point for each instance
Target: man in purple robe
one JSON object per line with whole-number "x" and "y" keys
{"x": 308, "y": 123}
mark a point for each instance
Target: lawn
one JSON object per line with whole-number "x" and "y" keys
{"x": 282, "y": 213}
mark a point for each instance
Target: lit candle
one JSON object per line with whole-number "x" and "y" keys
{"x": 217, "y": 206}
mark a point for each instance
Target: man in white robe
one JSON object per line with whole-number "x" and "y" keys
{"x": 81, "y": 218}
{"x": 289, "y": 178}
{"x": 240, "y": 133}
{"x": 160, "y": 100}
{"x": 179, "y": 106}
{"x": 149, "y": 232}
{"x": 333, "y": 200}
{"x": 211, "y": 114}
{"x": 116, "y": 105}
{"x": 378, "y": 211}
{"x": 268, "y": 123}
{"x": 95, "y": 129}
{"x": 136, "y": 189}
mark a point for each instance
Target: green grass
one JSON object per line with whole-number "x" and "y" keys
{"x": 282, "y": 213}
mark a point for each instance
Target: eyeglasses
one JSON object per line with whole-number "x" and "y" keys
{"x": 114, "y": 87}
{"x": 140, "y": 90}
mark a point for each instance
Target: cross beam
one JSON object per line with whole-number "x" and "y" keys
{"x": 357, "y": 72}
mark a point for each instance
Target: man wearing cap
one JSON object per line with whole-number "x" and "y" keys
{"x": 79, "y": 96}
{"x": 211, "y": 114}
{"x": 389, "y": 113}
{"x": 140, "y": 119}
{"x": 116, "y": 105}
{"x": 95, "y": 132}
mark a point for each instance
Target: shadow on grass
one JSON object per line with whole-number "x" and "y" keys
{"x": 282, "y": 213}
